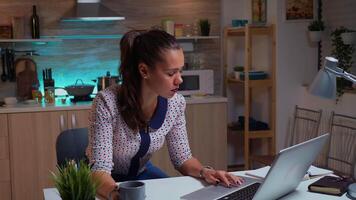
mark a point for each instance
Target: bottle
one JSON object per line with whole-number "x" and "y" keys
{"x": 35, "y": 24}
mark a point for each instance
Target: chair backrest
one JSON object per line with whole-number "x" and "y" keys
{"x": 341, "y": 155}
{"x": 305, "y": 125}
{"x": 71, "y": 145}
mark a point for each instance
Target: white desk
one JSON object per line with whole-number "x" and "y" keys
{"x": 174, "y": 188}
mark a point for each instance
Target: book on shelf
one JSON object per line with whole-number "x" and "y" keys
{"x": 330, "y": 185}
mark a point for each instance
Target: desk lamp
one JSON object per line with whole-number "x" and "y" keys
{"x": 324, "y": 84}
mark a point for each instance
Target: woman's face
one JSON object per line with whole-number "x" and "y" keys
{"x": 165, "y": 78}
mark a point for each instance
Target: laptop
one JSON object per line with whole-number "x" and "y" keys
{"x": 285, "y": 174}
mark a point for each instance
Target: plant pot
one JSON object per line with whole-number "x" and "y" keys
{"x": 315, "y": 36}
{"x": 205, "y": 31}
{"x": 349, "y": 37}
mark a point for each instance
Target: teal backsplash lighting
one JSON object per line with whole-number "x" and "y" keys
{"x": 71, "y": 60}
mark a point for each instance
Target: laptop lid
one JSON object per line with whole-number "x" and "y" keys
{"x": 287, "y": 171}
{"x": 289, "y": 168}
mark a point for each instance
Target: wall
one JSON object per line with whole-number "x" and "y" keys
{"x": 335, "y": 14}
{"x": 296, "y": 65}
{"x": 88, "y": 59}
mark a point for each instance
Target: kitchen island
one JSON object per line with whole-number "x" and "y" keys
{"x": 28, "y": 136}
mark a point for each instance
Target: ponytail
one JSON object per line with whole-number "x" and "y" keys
{"x": 136, "y": 47}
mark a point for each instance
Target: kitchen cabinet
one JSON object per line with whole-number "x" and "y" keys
{"x": 5, "y": 181}
{"x": 207, "y": 133}
{"x": 32, "y": 141}
{"x": 78, "y": 119}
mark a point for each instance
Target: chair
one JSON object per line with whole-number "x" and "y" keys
{"x": 306, "y": 124}
{"x": 71, "y": 145}
{"x": 341, "y": 156}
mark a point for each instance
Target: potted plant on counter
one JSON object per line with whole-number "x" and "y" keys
{"x": 315, "y": 28}
{"x": 74, "y": 181}
{"x": 204, "y": 27}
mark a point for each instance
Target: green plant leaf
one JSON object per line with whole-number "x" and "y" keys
{"x": 74, "y": 181}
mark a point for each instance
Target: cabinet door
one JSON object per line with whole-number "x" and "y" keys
{"x": 207, "y": 132}
{"x": 78, "y": 119}
{"x": 32, "y": 139}
{"x": 5, "y": 184}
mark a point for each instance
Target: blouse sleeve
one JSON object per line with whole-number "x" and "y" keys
{"x": 177, "y": 139}
{"x": 100, "y": 148}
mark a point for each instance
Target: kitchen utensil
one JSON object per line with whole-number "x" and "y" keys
{"x": 10, "y": 64}
{"x": 48, "y": 81}
{"x": 3, "y": 63}
{"x": 26, "y": 78}
{"x": 79, "y": 89}
{"x": 106, "y": 81}
{"x": 20, "y": 64}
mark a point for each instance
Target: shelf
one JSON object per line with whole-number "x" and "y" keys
{"x": 253, "y": 83}
{"x": 198, "y": 37}
{"x": 34, "y": 41}
{"x": 260, "y": 134}
{"x": 84, "y": 37}
{"x": 256, "y": 134}
{"x": 60, "y": 38}
{"x": 240, "y": 31}
{"x": 264, "y": 159}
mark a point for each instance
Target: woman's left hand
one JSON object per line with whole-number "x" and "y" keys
{"x": 219, "y": 176}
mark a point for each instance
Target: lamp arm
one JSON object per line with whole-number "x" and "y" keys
{"x": 342, "y": 73}
{"x": 349, "y": 77}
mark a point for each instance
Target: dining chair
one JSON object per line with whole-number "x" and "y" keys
{"x": 71, "y": 144}
{"x": 305, "y": 126}
{"x": 341, "y": 156}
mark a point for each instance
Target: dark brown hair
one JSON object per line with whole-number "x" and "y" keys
{"x": 139, "y": 47}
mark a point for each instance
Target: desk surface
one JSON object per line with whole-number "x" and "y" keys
{"x": 175, "y": 187}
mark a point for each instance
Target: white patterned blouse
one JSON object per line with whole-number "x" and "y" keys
{"x": 113, "y": 145}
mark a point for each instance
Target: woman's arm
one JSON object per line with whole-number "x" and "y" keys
{"x": 107, "y": 185}
{"x": 192, "y": 167}
{"x": 100, "y": 148}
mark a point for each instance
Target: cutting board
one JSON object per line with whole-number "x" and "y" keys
{"x": 26, "y": 77}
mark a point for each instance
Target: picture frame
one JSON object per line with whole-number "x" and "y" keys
{"x": 259, "y": 12}
{"x": 299, "y": 10}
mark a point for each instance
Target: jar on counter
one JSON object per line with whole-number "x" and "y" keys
{"x": 178, "y": 30}
{"x": 49, "y": 95}
{"x": 188, "y": 31}
{"x": 168, "y": 26}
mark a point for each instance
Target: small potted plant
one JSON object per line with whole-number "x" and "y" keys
{"x": 237, "y": 71}
{"x": 343, "y": 53}
{"x": 74, "y": 181}
{"x": 315, "y": 28}
{"x": 204, "y": 27}
{"x": 349, "y": 37}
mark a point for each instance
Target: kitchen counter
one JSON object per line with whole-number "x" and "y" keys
{"x": 57, "y": 106}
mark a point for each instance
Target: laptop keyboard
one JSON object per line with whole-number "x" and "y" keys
{"x": 246, "y": 193}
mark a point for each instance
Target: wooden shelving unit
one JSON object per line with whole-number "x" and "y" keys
{"x": 269, "y": 84}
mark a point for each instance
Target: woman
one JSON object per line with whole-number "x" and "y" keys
{"x": 131, "y": 121}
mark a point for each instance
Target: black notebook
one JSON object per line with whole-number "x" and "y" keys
{"x": 330, "y": 185}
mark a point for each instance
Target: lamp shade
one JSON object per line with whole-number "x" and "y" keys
{"x": 324, "y": 85}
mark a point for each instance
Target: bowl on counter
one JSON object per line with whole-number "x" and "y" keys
{"x": 10, "y": 101}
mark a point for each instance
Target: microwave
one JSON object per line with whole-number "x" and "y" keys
{"x": 197, "y": 82}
